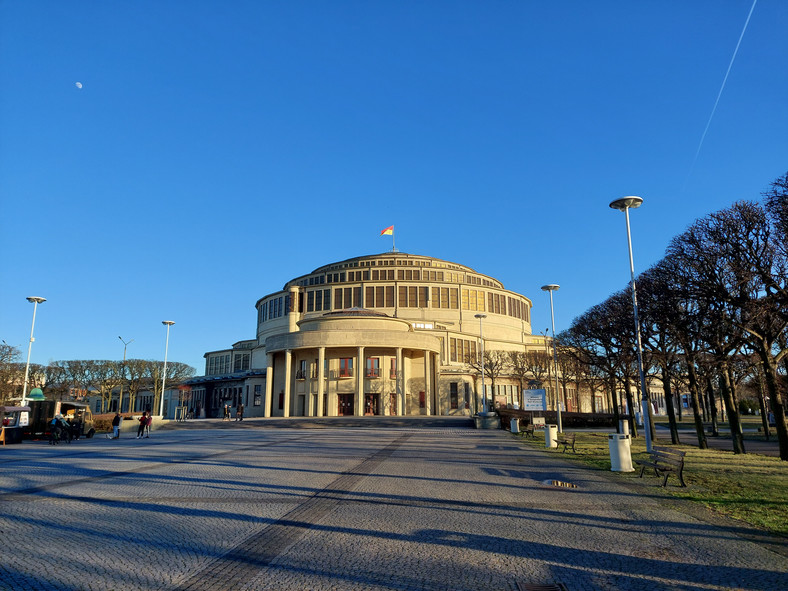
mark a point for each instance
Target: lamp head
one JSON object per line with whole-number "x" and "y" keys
{"x": 631, "y": 202}
{"x": 480, "y": 316}
{"x": 168, "y": 322}
{"x": 36, "y": 300}
{"x": 551, "y": 287}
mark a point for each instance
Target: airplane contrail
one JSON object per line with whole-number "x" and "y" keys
{"x": 719, "y": 94}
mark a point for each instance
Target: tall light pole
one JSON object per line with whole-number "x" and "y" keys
{"x": 125, "y": 344}
{"x": 551, "y": 288}
{"x": 35, "y": 300}
{"x": 168, "y": 323}
{"x": 481, "y": 341}
{"x": 625, "y": 204}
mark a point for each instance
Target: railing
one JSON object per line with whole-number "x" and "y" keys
{"x": 372, "y": 373}
{"x": 300, "y": 375}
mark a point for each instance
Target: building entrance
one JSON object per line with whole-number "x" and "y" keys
{"x": 371, "y": 404}
{"x": 345, "y": 408}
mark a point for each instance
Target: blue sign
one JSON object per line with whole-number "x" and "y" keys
{"x": 534, "y": 399}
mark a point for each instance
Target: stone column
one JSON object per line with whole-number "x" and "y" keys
{"x": 360, "y": 367}
{"x": 321, "y": 379}
{"x": 288, "y": 380}
{"x": 400, "y": 384}
{"x": 427, "y": 383}
{"x": 269, "y": 384}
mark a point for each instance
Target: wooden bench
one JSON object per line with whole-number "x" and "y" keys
{"x": 665, "y": 461}
{"x": 567, "y": 439}
{"x": 528, "y": 430}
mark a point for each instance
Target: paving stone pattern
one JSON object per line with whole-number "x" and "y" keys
{"x": 356, "y": 509}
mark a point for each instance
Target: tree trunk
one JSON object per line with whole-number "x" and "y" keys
{"x": 770, "y": 373}
{"x": 733, "y": 412}
{"x": 666, "y": 383}
{"x": 633, "y": 425}
{"x": 693, "y": 388}
{"x": 614, "y": 397}
{"x": 762, "y": 403}
{"x": 715, "y": 427}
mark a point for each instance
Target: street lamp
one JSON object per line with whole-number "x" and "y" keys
{"x": 125, "y": 344}
{"x": 35, "y": 301}
{"x": 168, "y": 323}
{"x": 481, "y": 341}
{"x": 625, "y": 204}
{"x": 551, "y": 288}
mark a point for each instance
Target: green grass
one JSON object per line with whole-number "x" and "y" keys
{"x": 749, "y": 487}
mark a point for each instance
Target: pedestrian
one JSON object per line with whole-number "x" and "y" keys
{"x": 54, "y": 430}
{"x": 239, "y": 413}
{"x": 115, "y": 427}
{"x": 76, "y": 427}
{"x": 148, "y": 423}
{"x": 143, "y": 423}
{"x": 226, "y": 412}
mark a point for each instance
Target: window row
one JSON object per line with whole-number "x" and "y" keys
{"x": 396, "y": 275}
{"x": 219, "y": 364}
{"x": 372, "y": 368}
{"x": 407, "y": 296}
{"x": 274, "y": 308}
{"x": 462, "y": 351}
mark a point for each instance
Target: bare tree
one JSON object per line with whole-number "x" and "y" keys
{"x": 11, "y": 371}
{"x": 495, "y": 364}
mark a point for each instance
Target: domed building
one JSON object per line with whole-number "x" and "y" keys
{"x": 384, "y": 334}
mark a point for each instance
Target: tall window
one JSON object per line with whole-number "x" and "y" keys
{"x": 346, "y": 367}
{"x": 393, "y": 369}
{"x": 453, "y": 395}
{"x": 373, "y": 367}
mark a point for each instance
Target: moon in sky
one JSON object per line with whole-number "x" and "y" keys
{"x": 78, "y": 85}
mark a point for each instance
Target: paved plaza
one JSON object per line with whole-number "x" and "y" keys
{"x": 246, "y": 507}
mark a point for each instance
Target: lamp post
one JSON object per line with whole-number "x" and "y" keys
{"x": 35, "y": 301}
{"x": 625, "y": 204}
{"x": 551, "y": 288}
{"x": 168, "y": 323}
{"x": 481, "y": 342}
{"x": 120, "y": 402}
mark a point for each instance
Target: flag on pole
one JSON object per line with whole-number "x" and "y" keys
{"x": 388, "y": 231}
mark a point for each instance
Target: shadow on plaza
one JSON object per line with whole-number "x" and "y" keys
{"x": 583, "y": 567}
{"x": 298, "y": 494}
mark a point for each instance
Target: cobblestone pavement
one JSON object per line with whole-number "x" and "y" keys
{"x": 356, "y": 509}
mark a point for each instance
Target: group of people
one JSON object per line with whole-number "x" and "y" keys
{"x": 239, "y": 412}
{"x": 142, "y": 431}
{"x": 61, "y": 429}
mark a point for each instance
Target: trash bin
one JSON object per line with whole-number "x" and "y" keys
{"x": 514, "y": 425}
{"x": 551, "y": 435}
{"x": 620, "y": 453}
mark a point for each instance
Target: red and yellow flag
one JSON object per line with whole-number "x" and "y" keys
{"x": 388, "y": 231}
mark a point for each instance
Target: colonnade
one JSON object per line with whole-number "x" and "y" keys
{"x": 315, "y": 408}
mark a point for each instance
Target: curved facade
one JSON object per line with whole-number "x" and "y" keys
{"x": 384, "y": 334}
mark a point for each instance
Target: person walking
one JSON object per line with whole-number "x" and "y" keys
{"x": 115, "y": 427}
{"x": 148, "y": 423}
{"x": 143, "y": 423}
{"x": 239, "y": 412}
{"x": 226, "y": 412}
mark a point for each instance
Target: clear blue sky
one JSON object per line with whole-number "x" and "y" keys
{"x": 218, "y": 149}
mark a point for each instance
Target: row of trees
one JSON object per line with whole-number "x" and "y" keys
{"x": 535, "y": 368}
{"x": 713, "y": 312}
{"x": 62, "y": 380}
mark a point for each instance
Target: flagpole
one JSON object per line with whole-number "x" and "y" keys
{"x": 393, "y": 244}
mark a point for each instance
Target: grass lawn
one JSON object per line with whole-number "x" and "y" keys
{"x": 752, "y": 488}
